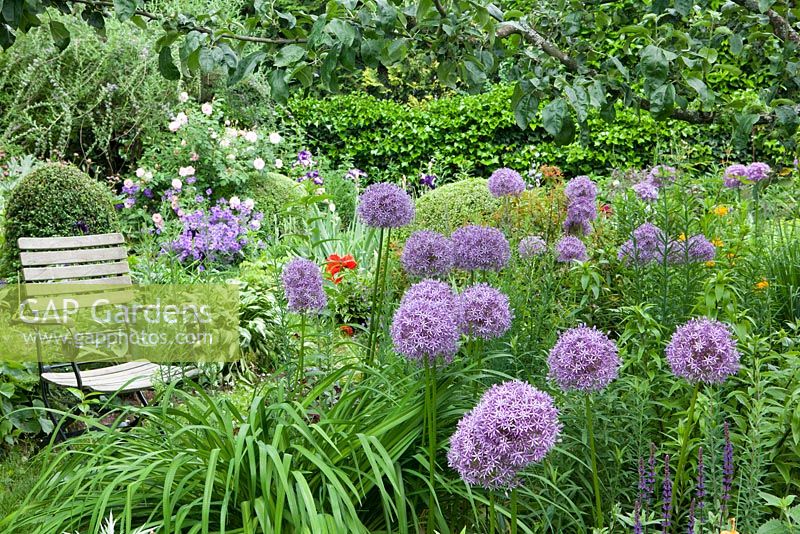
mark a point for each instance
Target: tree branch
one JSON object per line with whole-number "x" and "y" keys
{"x": 202, "y": 29}
{"x": 780, "y": 26}
{"x": 529, "y": 34}
{"x": 440, "y": 8}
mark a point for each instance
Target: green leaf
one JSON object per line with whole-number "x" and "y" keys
{"x": 524, "y": 104}
{"x": 683, "y": 7}
{"x": 7, "y": 389}
{"x": 278, "y": 87}
{"x": 557, "y": 121}
{"x": 166, "y": 65}
{"x": 737, "y": 44}
{"x": 125, "y": 9}
{"x": 289, "y": 55}
{"x": 764, "y": 5}
{"x": 245, "y": 67}
{"x": 654, "y": 64}
{"x": 773, "y": 526}
{"x": 343, "y": 31}
{"x": 60, "y": 34}
{"x": 662, "y": 101}
{"x": 702, "y": 89}
{"x": 206, "y": 60}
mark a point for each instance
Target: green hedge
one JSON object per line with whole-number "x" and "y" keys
{"x": 473, "y": 135}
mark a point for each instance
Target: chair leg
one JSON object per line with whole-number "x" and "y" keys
{"x": 61, "y": 435}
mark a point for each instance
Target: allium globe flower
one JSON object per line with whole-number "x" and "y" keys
{"x": 703, "y": 350}
{"x": 532, "y": 246}
{"x": 425, "y": 330}
{"x": 581, "y": 194}
{"x": 427, "y": 253}
{"x": 385, "y": 205}
{"x": 571, "y": 248}
{"x": 583, "y": 359}
{"x": 512, "y": 426}
{"x": 647, "y": 245}
{"x": 506, "y": 182}
{"x": 695, "y": 249}
{"x": 646, "y": 190}
{"x": 480, "y": 248}
{"x": 485, "y": 312}
{"x": 302, "y": 283}
{"x": 662, "y": 175}
{"x": 732, "y": 176}
{"x": 757, "y": 171}
{"x": 430, "y": 291}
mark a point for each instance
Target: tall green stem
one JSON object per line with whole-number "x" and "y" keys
{"x": 492, "y": 519}
{"x": 301, "y": 365}
{"x": 374, "y": 310}
{"x": 430, "y": 397}
{"x": 687, "y": 431}
{"x": 598, "y": 507}
{"x": 514, "y": 511}
{"x": 382, "y": 291}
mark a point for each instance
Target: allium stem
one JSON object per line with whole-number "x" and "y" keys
{"x": 514, "y": 511}
{"x": 598, "y": 508}
{"x": 374, "y": 310}
{"x": 430, "y": 397}
{"x": 492, "y": 518}
{"x": 687, "y": 430}
{"x": 301, "y": 366}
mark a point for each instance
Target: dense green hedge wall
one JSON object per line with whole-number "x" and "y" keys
{"x": 476, "y": 134}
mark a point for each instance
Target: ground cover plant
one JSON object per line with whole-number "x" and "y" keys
{"x": 556, "y": 289}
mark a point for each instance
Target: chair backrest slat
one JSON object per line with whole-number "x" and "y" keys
{"x": 79, "y": 241}
{"x": 100, "y": 258}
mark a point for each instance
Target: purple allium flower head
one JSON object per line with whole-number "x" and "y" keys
{"x": 480, "y": 248}
{"x": 732, "y": 177}
{"x": 581, "y": 194}
{"x": 506, "y": 181}
{"x": 583, "y": 359}
{"x": 385, "y": 205}
{"x": 485, "y": 311}
{"x": 666, "y": 498}
{"x": 532, "y": 246}
{"x": 646, "y": 245}
{"x": 695, "y": 249}
{"x": 427, "y": 253}
{"x": 662, "y": 175}
{"x": 727, "y": 469}
{"x": 757, "y": 171}
{"x": 428, "y": 180}
{"x": 646, "y": 190}
{"x": 425, "y": 330}
{"x": 570, "y": 248}
{"x": 430, "y": 291}
{"x": 512, "y": 426}
{"x": 302, "y": 283}
{"x": 703, "y": 350}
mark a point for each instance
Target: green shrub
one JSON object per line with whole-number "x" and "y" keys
{"x": 475, "y": 134}
{"x": 453, "y": 205}
{"x": 57, "y": 200}
{"x": 272, "y": 192}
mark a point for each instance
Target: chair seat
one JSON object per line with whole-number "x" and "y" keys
{"x": 123, "y": 377}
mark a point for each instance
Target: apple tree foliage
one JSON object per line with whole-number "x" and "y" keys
{"x": 729, "y": 61}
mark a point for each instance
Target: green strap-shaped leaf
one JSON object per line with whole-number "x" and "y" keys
{"x": 166, "y": 65}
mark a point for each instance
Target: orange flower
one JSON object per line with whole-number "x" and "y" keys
{"x": 720, "y": 211}
{"x": 762, "y": 284}
{"x": 336, "y": 263}
{"x": 711, "y": 263}
{"x": 682, "y": 237}
{"x": 717, "y": 242}
{"x": 347, "y": 330}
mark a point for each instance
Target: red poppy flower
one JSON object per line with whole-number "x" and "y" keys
{"x": 336, "y": 263}
{"x": 347, "y": 330}
{"x": 606, "y": 209}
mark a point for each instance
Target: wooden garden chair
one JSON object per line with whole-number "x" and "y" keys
{"x": 88, "y": 260}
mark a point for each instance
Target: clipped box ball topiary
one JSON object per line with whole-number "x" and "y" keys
{"x": 272, "y": 192}
{"x": 453, "y": 205}
{"x": 57, "y": 200}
